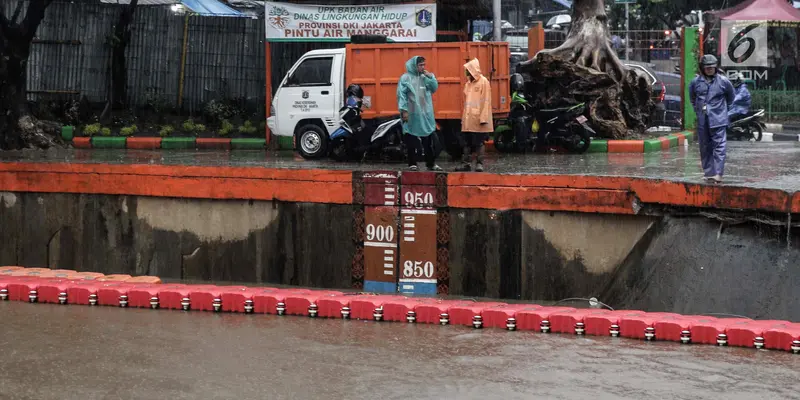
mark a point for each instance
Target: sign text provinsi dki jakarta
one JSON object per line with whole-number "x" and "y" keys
{"x": 399, "y": 22}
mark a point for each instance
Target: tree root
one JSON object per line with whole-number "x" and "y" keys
{"x": 39, "y": 134}
{"x": 589, "y": 47}
{"x": 585, "y": 69}
{"x": 616, "y": 109}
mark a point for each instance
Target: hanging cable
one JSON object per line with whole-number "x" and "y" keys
{"x": 592, "y": 300}
{"x": 727, "y": 315}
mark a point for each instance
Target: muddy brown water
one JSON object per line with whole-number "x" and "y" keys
{"x": 81, "y": 352}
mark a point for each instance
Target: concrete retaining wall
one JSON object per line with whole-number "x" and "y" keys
{"x": 684, "y": 265}
{"x": 221, "y": 240}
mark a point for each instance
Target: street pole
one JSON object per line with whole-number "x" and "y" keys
{"x": 497, "y": 33}
{"x": 627, "y": 32}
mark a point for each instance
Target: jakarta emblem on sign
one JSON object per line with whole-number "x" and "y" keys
{"x": 288, "y": 22}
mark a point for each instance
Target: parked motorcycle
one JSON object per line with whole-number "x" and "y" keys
{"x": 747, "y": 127}
{"x": 377, "y": 139}
{"x": 356, "y": 139}
{"x": 530, "y": 129}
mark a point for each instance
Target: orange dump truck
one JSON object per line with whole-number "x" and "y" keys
{"x": 307, "y": 103}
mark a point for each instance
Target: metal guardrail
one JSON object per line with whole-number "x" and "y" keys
{"x": 777, "y": 102}
{"x": 661, "y": 48}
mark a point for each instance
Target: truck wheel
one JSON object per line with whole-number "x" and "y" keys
{"x": 312, "y": 142}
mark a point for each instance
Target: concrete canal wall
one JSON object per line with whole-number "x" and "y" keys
{"x": 631, "y": 243}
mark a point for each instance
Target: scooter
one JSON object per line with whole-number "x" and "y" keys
{"x": 539, "y": 130}
{"x": 356, "y": 139}
{"x": 514, "y": 135}
{"x": 747, "y": 127}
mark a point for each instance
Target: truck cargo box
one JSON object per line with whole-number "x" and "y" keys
{"x": 378, "y": 67}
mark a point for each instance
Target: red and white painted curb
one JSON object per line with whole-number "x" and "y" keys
{"x": 35, "y": 285}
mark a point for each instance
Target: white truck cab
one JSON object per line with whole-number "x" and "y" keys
{"x": 307, "y": 102}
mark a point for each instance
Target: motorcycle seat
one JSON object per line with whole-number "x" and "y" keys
{"x": 554, "y": 111}
{"x": 739, "y": 117}
{"x": 382, "y": 119}
{"x": 753, "y": 112}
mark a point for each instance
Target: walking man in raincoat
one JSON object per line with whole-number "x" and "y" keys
{"x": 414, "y": 100}
{"x": 476, "y": 122}
{"x": 711, "y": 94}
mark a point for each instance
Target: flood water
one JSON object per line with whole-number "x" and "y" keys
{"x": 81, "y": 352}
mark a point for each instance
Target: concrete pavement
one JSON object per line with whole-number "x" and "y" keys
{"x": 749, "y": 164}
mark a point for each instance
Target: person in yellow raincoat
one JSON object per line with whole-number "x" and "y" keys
{"x": 476, "y": 122}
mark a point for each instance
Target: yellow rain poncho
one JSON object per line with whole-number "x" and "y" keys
{"x": 477, "y": 115}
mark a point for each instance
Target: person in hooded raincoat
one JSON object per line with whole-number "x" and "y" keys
{"x": 414, "y": 100}
{"x": 711, "y": 93}
{"x": 742, "y": 100}
{"x": 476, "y": 122}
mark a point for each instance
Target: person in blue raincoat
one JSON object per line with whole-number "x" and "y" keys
{"x": 742, "y": 100}
{"x": 415, "y": 102}
{"x": 711, "y": 94}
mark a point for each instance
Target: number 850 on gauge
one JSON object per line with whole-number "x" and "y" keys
{"x": 418, "y": 269}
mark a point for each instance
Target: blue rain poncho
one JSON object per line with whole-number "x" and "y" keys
{"x": 741, "y": 102}
{"x": 717, "y": 95}
{"x": 414, "y": 93}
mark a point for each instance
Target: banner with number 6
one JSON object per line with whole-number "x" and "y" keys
{"x": 744, "y": 44}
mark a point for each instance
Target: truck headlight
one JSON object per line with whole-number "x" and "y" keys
{"x": 271, "y": 110}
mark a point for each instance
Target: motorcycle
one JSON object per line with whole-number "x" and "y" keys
{"x": 359, "y": 140}
{"x": 514, "y": 135}
{"x": 747, "y": 127}
{"x": 539, "y": 129}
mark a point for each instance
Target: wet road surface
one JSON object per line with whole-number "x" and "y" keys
{"x": 761, "y": 165}
{"x": 81, "y": 352}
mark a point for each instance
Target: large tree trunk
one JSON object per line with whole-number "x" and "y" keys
{"x": 118, "y": 87}
{"x": 18, "y": 128}
{"x": 585, "y": 68}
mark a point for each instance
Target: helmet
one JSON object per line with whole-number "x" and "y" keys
{"x": 517, "y": 83}
{"x": 354, "y": 90}
{"x": 352, "y": 102}
{"x": 737, "y": 79}
{"x": 708, "y": 60}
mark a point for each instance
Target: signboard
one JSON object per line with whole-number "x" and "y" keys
{"x": 418, "y": 251}
{"x": 744, "y": 44}
{"x": 290, "y": 22}
{"x": 418, "y": 224}
{"x": 380, "y": 247}
{"x": 380, "y": 231}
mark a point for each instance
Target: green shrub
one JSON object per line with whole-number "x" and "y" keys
{"x": 91, "y": 130}
{"x": 188, "y": 126}
{"x": 129, "y": 130}
{"x": 247, "y": 128}
{"x": 105, "y": 132}
{"x": 166, "y": 130}
{"x": 219, "y": 110}
{"x": 226, "y": 129}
